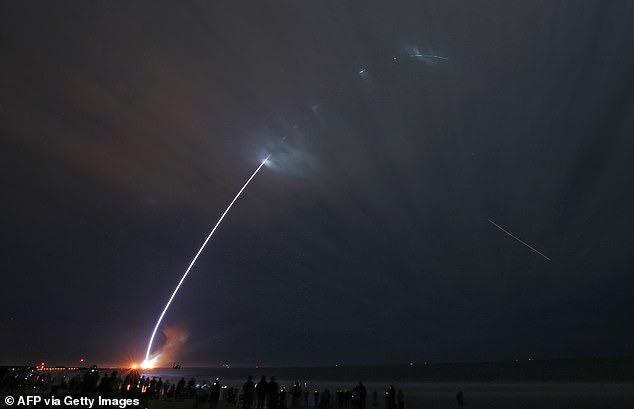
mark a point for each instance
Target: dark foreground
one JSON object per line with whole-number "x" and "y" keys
{"x": 556, "y": 384}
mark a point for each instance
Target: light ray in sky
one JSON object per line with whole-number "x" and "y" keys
{"x": 518, "y": 239}
{"x": 150, "y": 361}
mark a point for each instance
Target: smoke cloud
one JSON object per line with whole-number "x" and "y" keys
{"x": 170, "y": 351}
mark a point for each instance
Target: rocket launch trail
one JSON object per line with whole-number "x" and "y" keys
{"x": 147, "y": 362}
{"x": 518, "y": 239}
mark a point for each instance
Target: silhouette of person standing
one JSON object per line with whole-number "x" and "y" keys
{"x": 282, "y": 398}
{"x": 104, "y": 385}
{"x": 248, "y": 389}
{"x": 359, "y": 395}
{"x": 90, "y": 381}
{"x": 274, "y": 394}
{"x": 260, "y": 391}
{"x": 180, "y": 387}
{"x": 460, "y": 399}
{"x": 400, "y": 399}
{"x": 296, "y": 395}
{"x": 390, "y": 396}
{"x": 214, "y": 395}
{"x": 159, "y": 388}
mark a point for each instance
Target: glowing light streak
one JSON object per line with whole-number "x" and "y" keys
{"x": 518, "y": 239}
{"x": 148, "y": 363}
{"x": 438, "y": 57}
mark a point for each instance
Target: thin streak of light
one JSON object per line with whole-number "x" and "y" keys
{"x": 430, "y": 56}
{"x": 158, "y": 323}
{"x": 518, "y": 239}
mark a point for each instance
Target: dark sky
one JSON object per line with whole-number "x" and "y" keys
{"x": 396, "y": 130}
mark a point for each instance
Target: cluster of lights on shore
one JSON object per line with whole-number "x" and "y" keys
{"x": 42, "y": 367}
{"x": 56, "y": 368}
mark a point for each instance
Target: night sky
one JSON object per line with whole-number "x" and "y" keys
{"x": 396, "y": 130}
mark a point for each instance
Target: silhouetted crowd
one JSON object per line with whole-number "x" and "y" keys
{"x": 90, "y": 383}
{"x": 261, "y": 395}
{"x": 269, "y": 395}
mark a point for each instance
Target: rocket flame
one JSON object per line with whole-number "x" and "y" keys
{"x": 147, "y": 364}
